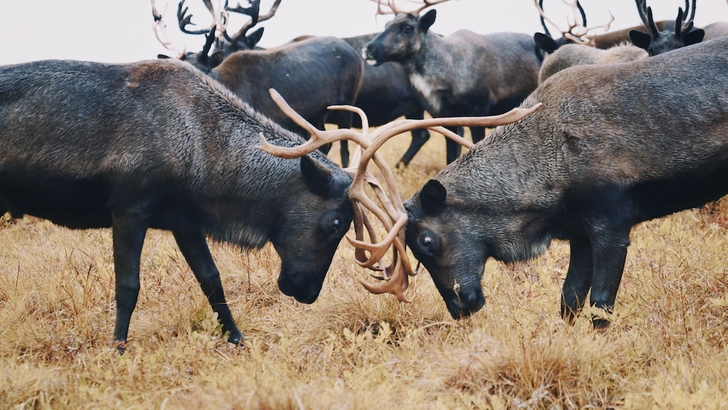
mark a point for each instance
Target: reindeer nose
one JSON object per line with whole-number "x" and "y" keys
{"x": 371, "y": 52}
{"x": 466, "y": 302}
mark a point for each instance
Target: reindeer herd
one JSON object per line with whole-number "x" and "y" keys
{"x": 593, "y": 134}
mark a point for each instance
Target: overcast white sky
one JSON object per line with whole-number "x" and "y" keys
{"x": 121, "y": 30}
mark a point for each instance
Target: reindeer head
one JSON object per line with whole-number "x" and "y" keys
{"x": 657, "y": 42}
{"x": 403, "y": 36}
{"x": 216, "y": 34}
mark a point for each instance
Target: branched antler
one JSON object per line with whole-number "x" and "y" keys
{"x": 160, "y": 31}
{"x": 577, "y": 32}
{"x": 391, "y": 213}
{"x": 392, "y": 8}
{"x": 254, "y": 12}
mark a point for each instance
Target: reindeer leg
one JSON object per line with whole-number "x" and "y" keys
{"x": 128, "y": 234}
{"x": 453, "y": 149}
{"x": 578, "y": 279}
{"x": 477, "y": 134}
{"x": 194, "y": 248}
{"x": 419, "y": 138}
{"x": 610, "y": 253}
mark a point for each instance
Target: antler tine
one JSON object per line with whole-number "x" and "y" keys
{"x": 254, "y": 13}
{"x": 394, "y": 9}
{"x": 318, "y": 137}
{"x": 390, "y": 5}
{"x": 184, "y": 19}
{"x": 688, "y": 23}
{"x": 642, "y": 11}
{"x": 539, "y": 7}
{"x": 160, "y": 31}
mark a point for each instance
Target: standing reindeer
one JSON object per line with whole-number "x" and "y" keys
{"x": 646, "y": 139}
{"x": 158, "y": 144}
{"x": 463, "y": 74}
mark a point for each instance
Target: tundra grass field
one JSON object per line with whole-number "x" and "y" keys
{"x": 350, "y": 349}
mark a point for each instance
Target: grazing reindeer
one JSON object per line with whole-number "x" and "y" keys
{"x": 658, "y": 42}
{"x": 571, "y": 55}
{"x": 649, "y": 138}
{"x": 463, "y": 74}
{"x": 311, "y": 75}
{"x": 158, "y": 144}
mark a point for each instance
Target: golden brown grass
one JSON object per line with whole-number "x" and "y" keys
{"x": 353, "y": 350}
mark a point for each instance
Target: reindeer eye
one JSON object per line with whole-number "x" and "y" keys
{"x": 426, "y": 242}
{"x": 336, "y": 225}
{"x": 407, "y": 29}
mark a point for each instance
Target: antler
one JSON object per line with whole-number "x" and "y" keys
{"x": 392, "y": 213}
{"x": 646, "y": 17}
{"x": 254, "y": 12}
{"x": 687, "y": 25}
{"x": 394, "y": 9}
{"x": 219, "y": 18}
{"x": 160, "y": 31}
{"x": 578, "y": 33}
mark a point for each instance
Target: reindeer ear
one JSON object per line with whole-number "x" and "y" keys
{"x": 545, "y": 42}
{"x": 640, "y": 39}
{"x": 432, "y": 197}
{"x": 427, "y": 20}
{"x": 693, "y": 37}
{"x": 316, "y": 175}
{"x": 253, "y": 39}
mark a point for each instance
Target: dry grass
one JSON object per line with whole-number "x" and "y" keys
{"x": 353, "y": 350}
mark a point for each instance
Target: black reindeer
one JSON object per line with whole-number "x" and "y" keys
{"x": 158, "y": 144}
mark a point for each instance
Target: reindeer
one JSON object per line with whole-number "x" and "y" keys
{"x": 645, "y": 139}
{"x": 158, "y": 144}
{"x": 311, "y": 75}
{"x": 463, "y": 74}
{"x": 658, "y": 42}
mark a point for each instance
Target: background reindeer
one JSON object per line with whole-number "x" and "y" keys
{"x": 658, "y": 42}
{"x": 463, "y": 74}
{"x": 311, "y": 75}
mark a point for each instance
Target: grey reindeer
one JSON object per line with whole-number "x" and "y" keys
{"x": 158, "y": 144}
{"x": 638, "y": 141}
{"x": 463, "y": 74}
